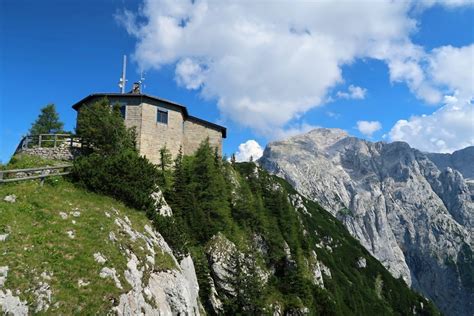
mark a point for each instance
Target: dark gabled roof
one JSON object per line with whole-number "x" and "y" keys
{"x": 77, "y": 105}
{"x": 184, "y": 110}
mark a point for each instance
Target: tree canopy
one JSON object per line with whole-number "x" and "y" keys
{"x": 48, "y": 122}
{"x": 101, "y": 126}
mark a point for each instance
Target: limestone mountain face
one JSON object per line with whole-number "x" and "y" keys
{"x": 461, "y": 160}
{"x": 415, "y": 215}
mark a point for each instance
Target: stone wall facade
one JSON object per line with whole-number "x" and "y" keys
{"x": 154, "y": 135}
{"x": 195, "y": 133}
{"x": 181, "y": 130}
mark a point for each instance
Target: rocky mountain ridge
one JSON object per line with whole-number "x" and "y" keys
{"x": 414, "y": 217}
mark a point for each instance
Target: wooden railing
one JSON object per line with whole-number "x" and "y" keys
{"x": 34, "y": 173}
{"x": 49, "y": 141}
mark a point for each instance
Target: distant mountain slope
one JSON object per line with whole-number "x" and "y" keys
{"x": 461, "y": 160}
{"x": 412, "y": 216}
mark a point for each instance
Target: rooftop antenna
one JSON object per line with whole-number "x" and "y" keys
{"x": 123, "y": 80}
{"x": 142, "y": 79}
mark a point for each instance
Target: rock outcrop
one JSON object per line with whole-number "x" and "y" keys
{"x": 157, "y": 291}
{"x": 461, "y": 160}
{"x": 413, "y": 217}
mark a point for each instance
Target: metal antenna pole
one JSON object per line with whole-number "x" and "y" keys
{"x": 123, "y": 80}
{"x": 142, "y": 79}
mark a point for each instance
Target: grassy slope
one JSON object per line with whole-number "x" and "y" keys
{"x": 38, "y": 242}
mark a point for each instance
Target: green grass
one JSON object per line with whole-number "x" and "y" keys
{"x": 38, "y": 242}
{"x": 23, "y": 161}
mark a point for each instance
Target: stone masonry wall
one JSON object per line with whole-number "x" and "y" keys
{"x": 133, "y": 118}
{"x": 58, "y": 153}
{"x": 155, "y": 135}
{"x": 195, "y": 133}
{"x": 152, "y": 136}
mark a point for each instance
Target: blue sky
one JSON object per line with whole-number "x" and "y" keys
{"x": 262, "y": 76}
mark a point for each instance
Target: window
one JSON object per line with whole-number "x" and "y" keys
{"x": 162, "y": 116}
{"x": 123, "y": 111}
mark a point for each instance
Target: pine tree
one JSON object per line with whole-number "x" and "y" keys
{"x": 165, "y": 173}
{"x": 179, "y": 196}
{"x": 47, "y": 122}
{"x": 212, "y": 213}
{"x": 165, "y": 159}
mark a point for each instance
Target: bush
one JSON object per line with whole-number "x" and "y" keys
{"x": 111, "y": 165}
{"x": 101, "y": 127}
{"x": 125, "y": 176}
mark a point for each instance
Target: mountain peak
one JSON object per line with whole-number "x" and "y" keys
{"x": 322, "y": 137}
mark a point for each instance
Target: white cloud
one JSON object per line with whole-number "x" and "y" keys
{"x": 452, "y": 126}
{"x": 446, "y": 3}
{"x": 353, "y": 92}
{"x": 189, "y": 74}
{"x": 454, "y": 68}
{"x": 448, "y": 129}
{"x": 333, "y": 115}
{"x": 368, "y": 128}
{"x": 249, "y": 149}
{"x": 266, "y": 65}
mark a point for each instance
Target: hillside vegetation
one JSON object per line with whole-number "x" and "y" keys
{"x": 52, "y": 238}
{"x": 243, "y": 241}
{"x": 291, "y": 239}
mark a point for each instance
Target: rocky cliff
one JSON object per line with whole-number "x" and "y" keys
{"x": 461, "y": 160}
{"x": 415, "y": 216}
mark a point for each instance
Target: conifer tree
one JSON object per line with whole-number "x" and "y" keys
{"x": 165, "y": 173}
{"x": 179, "y": 196}
{"x": 210, "y": 191}
{"x": 48, "y": 122}
{"x": 165, "y": 159}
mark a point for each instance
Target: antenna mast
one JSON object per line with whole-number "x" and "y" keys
{"x": 142, "y": 79}
{"x": 123, "y": 80}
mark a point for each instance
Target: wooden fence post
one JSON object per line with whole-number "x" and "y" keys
{"x": 39, "y": 140}
{"x": 55, "y": 140}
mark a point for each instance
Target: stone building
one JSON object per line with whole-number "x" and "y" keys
{"x": 160, "y": 123}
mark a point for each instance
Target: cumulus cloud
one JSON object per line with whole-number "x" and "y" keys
{"x": 454, "y": 68}
{"x": 448, "y": 129}
{"x": 368, "y": 128}
{"x": 249, "y": 149}
{"x": 452, "y": 126}
{"x": 353, "y": 92}
{"x": 423, "y": 4}
{"x": 266, "y": 65}
{"x": 189, "y": 74}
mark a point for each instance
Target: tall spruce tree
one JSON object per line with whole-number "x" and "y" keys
{"x": 48, "y": 122}
{"x": 165, "y": 170}
{"x": 210, "y": 191}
